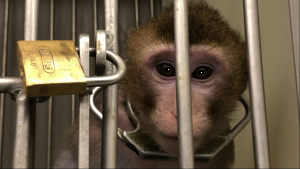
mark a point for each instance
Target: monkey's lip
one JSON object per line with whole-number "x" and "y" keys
{"x": 172, "y": 137}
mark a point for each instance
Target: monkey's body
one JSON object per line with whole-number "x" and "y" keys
{"x": 126, "y": 158}
{"x": 218, "y": 79}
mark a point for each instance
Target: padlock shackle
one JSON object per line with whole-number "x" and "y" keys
{"x": 110, "y": 79}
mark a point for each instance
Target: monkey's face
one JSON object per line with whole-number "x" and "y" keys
{"x": 207, "y": 73}
{"x": 218, "y": 74}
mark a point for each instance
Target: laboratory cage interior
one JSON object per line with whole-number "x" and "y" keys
{"x": 277, "y": 58}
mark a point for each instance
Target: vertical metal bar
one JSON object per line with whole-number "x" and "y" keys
{"x": 31, "y": 16}
{"x": 51, "y": 19}
{"x": 25, "y": 108}
{"x": 50, "y": 100}
{"x": 151, "y": 8}
{"x": 136, "y": 6}
{"x": 73, "y": 38}
{"x": 294, "y": 15}
{"x": 84, "y": 110}
{"x": 259, "y": 121}
{"x": 110, "y": 94}
{"x": 3, "y": 75}
{"x": 183, "y": 86}
{"x": 95, "y": 21}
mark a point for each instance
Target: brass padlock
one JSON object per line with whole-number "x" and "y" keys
{"x": 50, "y": 68}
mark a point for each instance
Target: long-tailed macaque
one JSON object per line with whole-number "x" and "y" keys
{"x": 218, "y": 72}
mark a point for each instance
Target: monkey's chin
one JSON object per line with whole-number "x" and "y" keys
{"x": 169, "y": 144}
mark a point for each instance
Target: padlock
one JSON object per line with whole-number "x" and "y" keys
{"x": 50, "y": 68}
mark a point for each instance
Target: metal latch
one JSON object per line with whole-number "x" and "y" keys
{"x": 135, "y": 140}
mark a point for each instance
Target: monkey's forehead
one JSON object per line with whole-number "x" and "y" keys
{"x": 206, "y": 27}
{"x": 169, "y": 49}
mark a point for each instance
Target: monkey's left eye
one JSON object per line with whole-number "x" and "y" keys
{"x": 165, "y": 69}
{"x": 202, "y": 72}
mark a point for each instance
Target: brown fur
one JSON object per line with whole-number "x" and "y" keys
{"x": 206, "y": 27}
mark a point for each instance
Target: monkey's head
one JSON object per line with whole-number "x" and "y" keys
{"x": 218, "y": 72}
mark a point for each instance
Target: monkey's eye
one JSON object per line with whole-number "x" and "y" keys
{"x": 165, "y": 69}
{"x": 202, "y": 72}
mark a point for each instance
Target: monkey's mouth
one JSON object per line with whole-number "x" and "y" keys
{"x": 170, "y": 137}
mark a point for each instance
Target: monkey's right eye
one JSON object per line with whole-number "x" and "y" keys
{"x": 165, "y": 69}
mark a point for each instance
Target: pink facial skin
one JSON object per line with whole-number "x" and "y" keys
{"x": 164, "y": 119}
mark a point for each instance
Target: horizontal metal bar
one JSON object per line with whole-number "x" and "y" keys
{"x": 7, "y": 83}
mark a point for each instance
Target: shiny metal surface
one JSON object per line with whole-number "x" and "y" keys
{"x": 110, "y": 93}
{"x": 50, "y": 68}
{"x": 94, "y": 109}
{"x": 151, "y": 8}
{"x": 134, "y": 140}
{"x": 73, "y": 38}
{"x": 95, "y": 20}
{"x": 3, "y": 73}
{"x": 84, "y": 109}
{"x": 62, "y": 30}
{"x": 256, "y": 87}
{"x": 183, "y": 86}
{"x": 25, "y": 106}
{"x": 7, "y": 83}
{"x": 111, "y": 78}
{"x": 136, "y": 5}
{"x": 23, "y": 135}
{"x": 100, "y": 52}
{"x": 31, "y": 17}
{"x": 49, "y": 136}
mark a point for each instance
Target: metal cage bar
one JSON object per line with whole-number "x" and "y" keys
{"x": 84, "y": 111}
{"x": 294, "y": 16}
{"x": 73, "y": 38}
{"x": 3, "y": 73}
{"x": 26, "y": 106}
{"x": 259, "y": 121}
{"x": 183, "y": 85}
{"x": 50, "y": 103}
{"x": 136, "y": 7}
{"x": 151, "y": 8}
{"x": 110, "y": 93}
{"x": 24, "y": 131}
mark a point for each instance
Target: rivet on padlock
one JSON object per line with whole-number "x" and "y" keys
{"x": 50, "y": 68}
